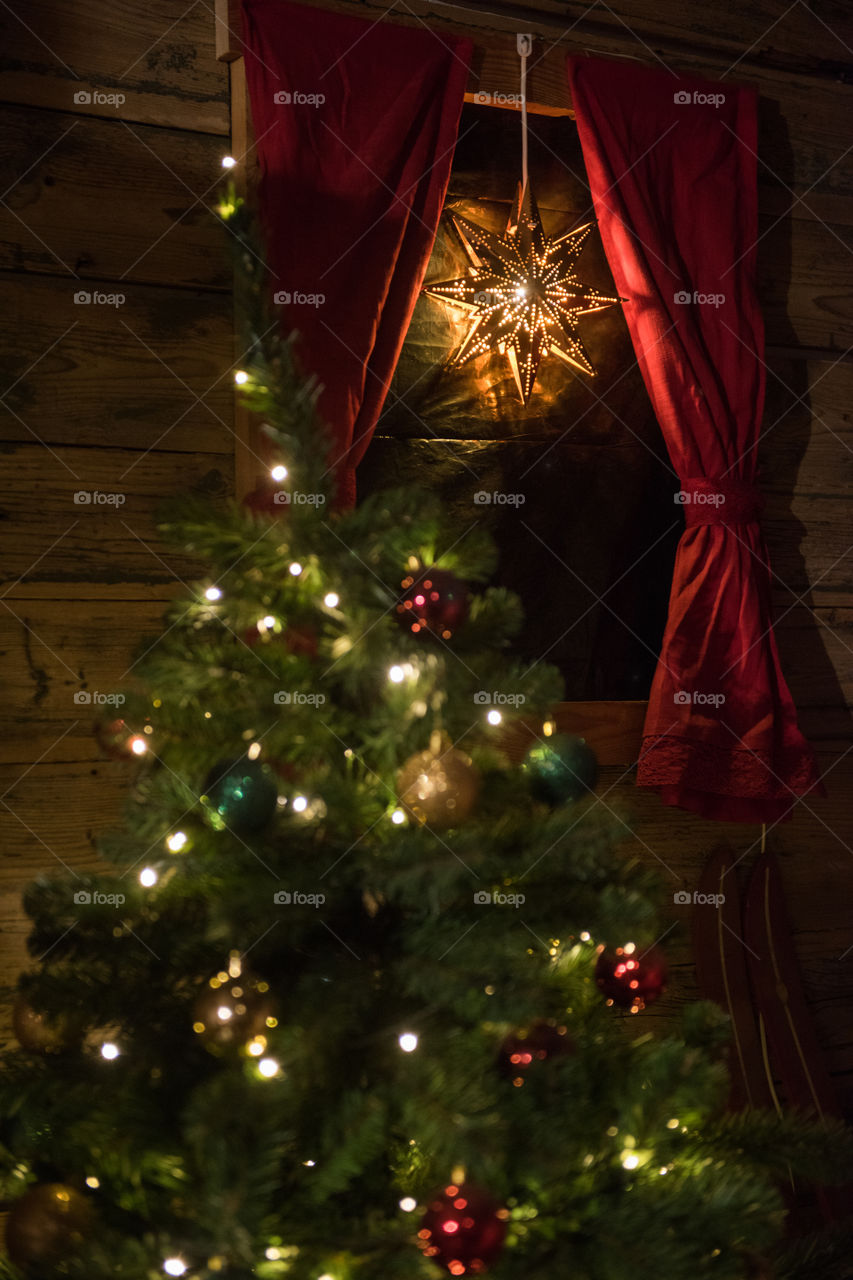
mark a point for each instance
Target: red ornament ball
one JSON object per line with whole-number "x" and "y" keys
{"x": 523, "y": 1049}
{"x": 434, "y": 601}
{"x": 463, "y": 1229}
{"x": 631, "y": 978}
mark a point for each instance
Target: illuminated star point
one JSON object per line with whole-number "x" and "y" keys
{"x": 522, "y": 293}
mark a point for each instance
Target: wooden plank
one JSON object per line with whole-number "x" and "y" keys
{"x": 99, "y": 200}
{"x": 229, "y": 42}
{"x": 612, "y": 729}
{"x": 99, "y": 540}
{"x": 125, "y": 376}
{"x": 158, "y": 56}
{"x": 52, "y": 653}
{"x": 729, "y": 35}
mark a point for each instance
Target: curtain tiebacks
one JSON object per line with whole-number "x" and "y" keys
{"x": 719, "y": 500}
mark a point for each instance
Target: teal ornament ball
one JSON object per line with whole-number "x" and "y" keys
{"x": 561, "y": 770}
{"x": 241, "y": 795}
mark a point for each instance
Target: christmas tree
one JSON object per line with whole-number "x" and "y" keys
{"x": 361, "y": 999}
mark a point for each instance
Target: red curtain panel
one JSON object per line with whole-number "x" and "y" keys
{"x": 672, "y": 166}
{"x": 355, "y": 125}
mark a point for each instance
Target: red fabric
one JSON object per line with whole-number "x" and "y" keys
{"x": 351, "y": 190}
{"x": 675, "y": 192}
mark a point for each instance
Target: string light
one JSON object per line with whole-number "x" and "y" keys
{"x": 279, "y": 472}
{"x": 147, "y": 877}
{"x": 109, "y": 1050}
{"x": 408, "y": 1042}
{"x": 408, "y": 1204}
{"x": 296, "y": 568}
{"x": 300, "y": 804}
{"x": 93, "y": 1182}
{"x": 254, "y": 750}
{"x": 398, "y": 817}
{"x": 331, "y": 600}
{"x": 138, "y": 746}
{"x": 396, "y": 675}
{"x": 630, "y": 1161}
{"x": 228, "y": 162}
{"x": 174, "y": 1267}
{"x": 549, "y": 728}
{"x": 268, "y": 1067}
{"x": 267, "y": 623}
{"x": 272, "y": 1253}
{"x": 494, "y": 717}
{"x": 176, "y": 841}
{"x": 213, "y": 593}
{"x": 241, "y": 377}
{"x": 673, "y": 1123}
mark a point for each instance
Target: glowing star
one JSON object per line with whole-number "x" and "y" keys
{"x": 523, "y": 293}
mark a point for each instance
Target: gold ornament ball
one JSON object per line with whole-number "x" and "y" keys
{"x": 47, "y": 1224}
{"x": 37, "y": 1033}
{"x": 232, "y": 1012}
{"x": 439, "y": 786}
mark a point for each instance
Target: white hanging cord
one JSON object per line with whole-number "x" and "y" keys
{"x": 524, "y": 44}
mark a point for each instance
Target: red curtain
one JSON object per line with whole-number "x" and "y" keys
{"x": 355, "y": 124}
{"x": 672, "y": 170}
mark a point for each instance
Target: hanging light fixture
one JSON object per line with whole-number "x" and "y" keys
{"x": 521, "y": 289}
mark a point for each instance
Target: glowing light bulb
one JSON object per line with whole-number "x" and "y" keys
{"x": 408, "y": 1042}
{"x": 241, "y": 377}
{"x": 138, "y": 746}
{"x": 147, "y": 877}
{"x": 300, "y": 804}
{"x": 629, "y": 948}
{"x": 272, "y": 1253}
{"x": 584, "y": 937}
{"x": 268, "y": 1068}
{"x": 396, "y": 675}
{"x": 296, "y": 568}
{"x": 254, "y": 751}
{"x": 93, "y": 1182}
{"x": 228, "y": 162}
{"x": 325, "y": 1276}
{"x": 279, "y": 472}
{"x": 174, "y": 1267}
{"x": 109, "y": 1050}
{"x": 176, "y": 841}
{"x": 494, "y": 717}
{"x": 309, "y": 1164}
{"x": 673, "y": 1123}
{"x": 398, "y": 817}
{"x": 630, "y": 1161}
{"x": 331, "y": 600}
{"x": 223, "y": 1013}
{"x": 408, "y": 1204}
{"x": 213, "y": 593}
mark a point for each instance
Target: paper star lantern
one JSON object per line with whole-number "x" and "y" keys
{"x": 523, "y": 293}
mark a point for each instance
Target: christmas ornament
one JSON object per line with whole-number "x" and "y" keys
{"x": 561, "y": 769}
{"x": 439, "y": 786}
{"x": 234, "y": 1010}
{"x": 47, "y": 1224}
{"x": 522, "y": 292}
{"x": 521, "y": 1049}
{"x": 299, "y": 640}
{"x": 463, "y": 1229}
{"x": 434, "y": 601}
{"x": 38, "y": 1034}
{"x": 240, "y": 794}
{"x": 631, "y": 978}
{"x": 263, "y": 500}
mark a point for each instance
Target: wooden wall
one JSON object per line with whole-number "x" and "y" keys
{"x": 129, "y": 397}
{"x": 132, "y": 398}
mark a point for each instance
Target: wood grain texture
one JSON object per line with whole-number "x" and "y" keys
{"x": 153, "y": 372}
{"x": 98, "y": 540}
{"x": 159, "y": 55}
{"x": 105, "y": 200}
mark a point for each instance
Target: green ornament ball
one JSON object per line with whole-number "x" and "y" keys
{"x": 241, "y": 795}
{"x": 561, "y": 770}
